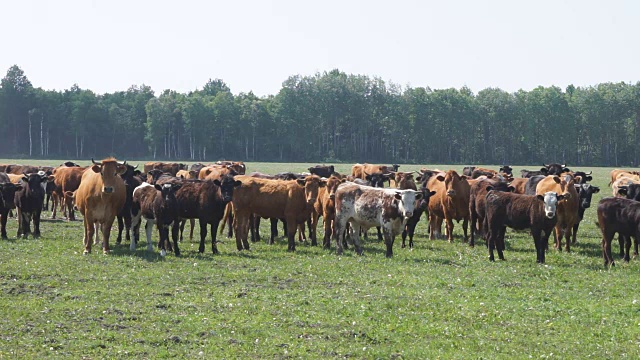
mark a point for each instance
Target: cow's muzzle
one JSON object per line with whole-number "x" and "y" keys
{"x": 451, "y": 193}
{"x": 408, "y": 214}
{"x": 332, "y": 196}
{"x": 550, "y": 214}
{"x": 226, "y": 198}
{"x": 107, "y": 189}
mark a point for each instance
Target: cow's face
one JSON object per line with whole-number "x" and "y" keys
{"x": 376, "y": 179}
{"x": 36, "y": 181}
{"x": 311, "y": 185}
{"x": 550, "y": 200}
{"x": 631, "y": 191}
{"x": 332, "y": 185}
{"x": 168, "y": 191}
{"x": 227, "y": 184}
{"x": 584, "y": 177}
{"x": 109, "y": 171}
{"x": 585, "y": 192}
{"x": 404, "y": 180}
{"x": 407, "y": 201}
{"x": 153, "y": 176}
{"x": 451, "y": 181}
{"x": 506, "y": 169}
{"x": 7, "y": 194}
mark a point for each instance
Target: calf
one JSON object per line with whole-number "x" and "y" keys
{"x": 451, "y": 202}
{"x": 421, "y": 206}
{"x": 520, "y": 212}
{"x": 477, "y": 203}
{"x": 131, "y": 182}
{"x": 157, "y": 204}
{"x": 325, "y": 207}
{"x": 29, "y": 203}
{"x": 585, "y": 192}
{"x": 7, "y": 200}
{"x": 366, "y": 207}
{"x": 617, "y": 215}
{"x": 323, "y": 171}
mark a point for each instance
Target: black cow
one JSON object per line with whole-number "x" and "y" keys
{"x": 7, "y": 200}
{"x": 506, "y": 169}
{"x": 528, "y": 173}
{"x": 131, "y": 181}
{"x": 69, "y": 164}
{"x": 157, "y": 204}
{"x": 422, "y": 205}
{"x": 584, "y": 177}
{"x": 322, "y": 170}
{"x": 555, "y": 169}
{"x": 477, "y": 204}
{"x": 29, "y": 203}
{"x": 532, "y": 183}
{"x": 585, "y": 192}
{"x": 622, "y": 216}
{"x": 377, "y": 179}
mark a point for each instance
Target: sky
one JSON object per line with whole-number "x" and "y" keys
{"x": 109, "y": 45}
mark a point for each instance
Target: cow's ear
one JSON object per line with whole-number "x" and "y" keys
{"x": 158, "y": 187}
{"x": 237, "y": 183}
{"x": 418, "y": 196}
{"x": 323, "y": 183}
{"x": 343, "y": 180}
{"x": 96, "y": 168}
{"x": 398, "y": 195}
{"x": 511, "y": 188}
{"x": 577, "y": 179}
{"x": 419, "y": 178}
{"x": 432, "y": 193}
{"x": 217, "y": 182}
{"x": 540, "y": 197}
{"x": 556, "y": 179}
{"x": 595, "y": 189}
{"x": 440, "y": 178}
{"x": 122, "y": 169}
{"x": 301, "y": 182}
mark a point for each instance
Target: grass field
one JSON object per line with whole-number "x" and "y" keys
{"x": 440, "y": 300}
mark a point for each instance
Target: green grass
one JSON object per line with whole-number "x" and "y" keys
{"x": 440, "y": 300}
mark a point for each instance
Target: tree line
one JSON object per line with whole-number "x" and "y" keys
{"x": 327, "y": 117}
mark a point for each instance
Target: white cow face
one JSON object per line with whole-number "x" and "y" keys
{"x": 550, "y": 200}
{"x": 407, "y": 201}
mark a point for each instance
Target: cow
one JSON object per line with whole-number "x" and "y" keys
{"x": 519, "y": 185}
{"x": 477, "y": 172}
{"x": 197, "y": 167}
{"x": 124, "y": 216}
{"x": 215, "y": 173}
{"x": 532, "y": 184}
{"x": 322, "y": 170}
{"x": 365, "y": 207}
{"x": 477, "y": 203}
{"x": 69, "y": 164}
{"x": 171, "y": 168}
{"x": 361, "y": 170}
{"x": 567, "y": 209}
{"x": 28, "y": 201}
{"x": 584, "y": 176}
{"x": 631, "y": 191}
{"x": 529, "y": 173}
{"x": 519, "y": 212}
{"x": 99, "y": 198}
{"x": 617, "y": 173}
{"x": 289, "y": 200}
{"x": 21, "y": 169}
{"x": 451, "y": 202}
{"x": 555, "y": 168}
{"x": 325, "y": 207}
{"x": 506, "y": 170}
{"x": 618, "y": 215}
{"x": 468, "y": 170}
{"x": 238, "y": 166}
{"x": 157, "y": 204}
{"x": 187, "y": 174}
{"x": 585, "y": 192}
{"x": 66, "y": 179}
{"x": 421, "y": 206}
{"x": 206, "y": 201}
{"x": 620, "y": 183}
{"x": 155, "y": 175}
{"x": 7, "y": 200}
{"x": 426, "y": 174}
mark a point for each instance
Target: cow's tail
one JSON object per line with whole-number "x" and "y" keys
{"x": 227, "y": 211}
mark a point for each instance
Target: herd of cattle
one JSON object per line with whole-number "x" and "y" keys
{"x": 551, "y": 200}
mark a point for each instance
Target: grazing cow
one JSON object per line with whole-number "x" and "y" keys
{"x": 206, "y": 201}
{"x": 528, "y": 173}
{"x": 238, "y": 166}
{"x": 567, "y": 209}
{"x": 171, "y": 168}
{"x": 555, "y": 169}
{"x": 585, "y": 192}
{"x": 520, "y": 212}
{"x": 187, "y": 174}
{"x": 289, "y": 200}
{"x": 365, "y": 207}
{"x": 323, "y": 171}
{"x": 519, "y": 185}
{"x": 451, "y": 202}
{"x": 325, "y": 207}
{"x": 477, "y": 203}
{"x": 622, "y": 216}
{"x": 157, "y": 204}
{"x": 7, "y": 200}
{"x": 124, "y": 216}
{"x": 66, "y": 179}
{"x": 620, "y": 183}
{"x": 99, "y": 198}
{"x": 28, "y": 202}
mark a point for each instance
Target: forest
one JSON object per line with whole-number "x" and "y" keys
{"x": 325, "y": 117}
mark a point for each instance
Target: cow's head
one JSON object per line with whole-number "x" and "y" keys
{"x": 129, "y": 173}
{"x": 631, "y": 191}
{"x": 154, "y": 175}
{"x": 168, "y": 190}
{"x": 7, "y": 194}
{"x": 377, "y": 179}
{"x": 37, "y": 180}
{"x": 332, "y": 185}
{"x": 69, "y": 164}
{"x": 226, "y": 184}
{"x": 554, "y": 169}
{"x": 406, "y": 200}
{"x": 109, "y": 169}
{"x": 550, "y": 200}
{"x": 584, "y": 176}
{"x": 451, "y": 181}
{"x": 311, "y": 185}
{"x": 500, "y": 186}
{"x": 404, "y": 180}
{"x": 506, "y": 169}
{"x": 585, "y": 192}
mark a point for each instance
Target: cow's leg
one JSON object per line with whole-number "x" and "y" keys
{"x": 500, "y": 242}
{"x": 567, "y": 237}
{"x": 380, "y": 237}
{"x": 163, "y": 231}
{"x": 411, "y": 229}
{"x": 182, "y": 223}
{"x": 291, "y": 233}
{"x": 339, "y": 229}
{"x": 356, "y": 238}
{"x": 607, "y": 236}
{"x": 120, "y": 228}
{"x": 575, "y": 232}
{"x": 127, "y": 226}
{"x": 432, "y": 227}
{"x": 88, "y": 234}
{"x": 465, "y": 227}
{"x": 242, "y": 230}
{"x": 388, "y": 241}
{"x": 20, "y": 222}
{"x": 313, "y": 226}
{"x": 449, "y": 222}
{"x": 230, "y": 224}
{"x": 252, "y": 228}
{"x": 539, "y": 243}
{"x": 54, "y": 204}
{"x": 106, "y": 232}
{"x": 36, "y": 223}
{"x": 72, "y": 215}
{"x": 203, "y": 234}
{"x": 621, "y": 242}
{"x": 135, "y": 222}
{"x": 557, "y": 235}
{"x": 175, "y": 230}
{"x": 312, "y": 233}
{"x": 285, "y": 228}
{"x": 214, "y": 233}
{"x": 4, "y": 213}
{"x": 148, "y": 228}
{"x": 635, "y": 246}
{"x": 473, "y": 219}
{"x": 192, "y": 226}
{"x": 45, "y": 206}
{"x": 302, "y": 236}
{"x": 328, "y": 231}
{"x": 274, "y": 229}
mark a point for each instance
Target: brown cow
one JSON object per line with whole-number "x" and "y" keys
{"x": 617, "y": 184}
{"x": 325, "y": 206}
{"x": 617, "y": 173}
{"x": 66, "y": 179}
{"x": 289, "y": 200}
{"x": 171, "y": 168}
{"x": 21, "y": 169}
{"x": 519, "y": 185}
{"x": 238, "y": 166}
{"x": 217, "y": 173}
{"x": 450, "y": 202}
{"x": 477, "y": 203}
{"x": 99, "y": 198}
{"x": 360, "y": 171}
{"x": 567, "y": 211}
{"x": 187, "y": 174}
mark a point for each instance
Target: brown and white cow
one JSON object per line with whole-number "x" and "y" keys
{"x": 158, "y": 205}
{"x": 567, "y": 212}
{"x": 289, "y": 200}
{"x": 365, "y": 207}
{"x": 99, "y": 198}
{"x": 450, "y": 202}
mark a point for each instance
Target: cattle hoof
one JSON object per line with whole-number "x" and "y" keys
{"x": 163, "y": 253}
{"x": 106, "y": 252}
{"x": 86, "y": 252}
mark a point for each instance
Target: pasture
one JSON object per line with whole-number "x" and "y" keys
{"x": 440, "y": 300}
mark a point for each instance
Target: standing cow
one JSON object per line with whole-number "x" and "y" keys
{"x": 157, "y": 204}
{"x": 7, "y": 200}
{"x": 451, "y": 202}
{"x": 29, "y": 203}
{"x": 99, "y": 198}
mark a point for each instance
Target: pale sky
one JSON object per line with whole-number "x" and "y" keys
{"x": 109, "y": 45}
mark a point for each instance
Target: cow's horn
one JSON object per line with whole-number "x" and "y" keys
{"x": 589, "y": 173}
{"x": 135, "y": 167}
{"x": 122, "y": 163}
{"x": 96, "y": 163}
